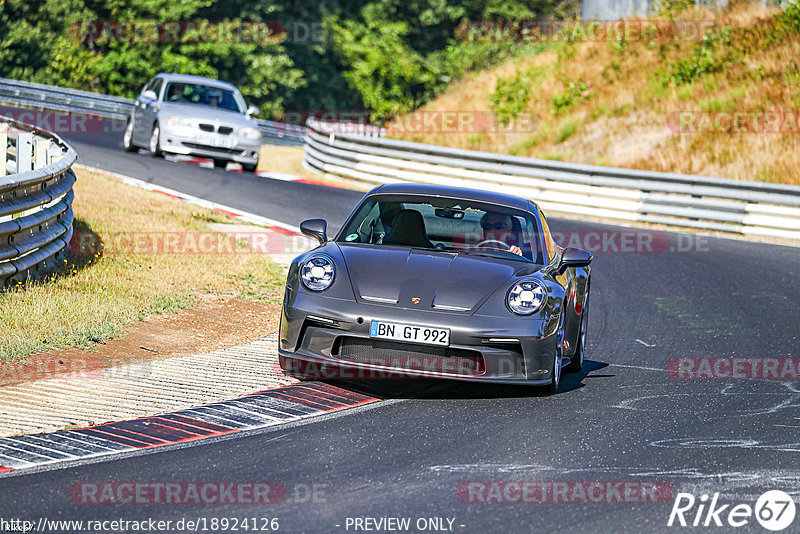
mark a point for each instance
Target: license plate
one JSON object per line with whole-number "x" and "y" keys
{"x": 211, "y": 140}
{"x": 410, "y": 333}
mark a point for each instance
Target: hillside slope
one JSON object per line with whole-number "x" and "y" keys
{"x": 714, "y": 94}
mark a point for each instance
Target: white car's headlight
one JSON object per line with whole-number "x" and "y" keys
{"x": 317, "y": 273}
{"x": 179, "y": 121}
{"x": 250, "y": 133}
{"x": 526, "y": 297}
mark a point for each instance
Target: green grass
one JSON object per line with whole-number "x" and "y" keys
{"x": 568, "y": 128}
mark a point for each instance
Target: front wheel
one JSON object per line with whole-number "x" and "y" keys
{"x": 155, "y": 142}
{"x": 576, "y": 363}
{"x": 555, "y": 370}
{"x": 555, "y": 373}
{"x": 249, "y": 167}
{"x": 127, "y": 138}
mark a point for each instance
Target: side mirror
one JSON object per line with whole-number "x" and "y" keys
{"x": 315, "y": 228}
{"x": 253, "y": 110}
{"x": 150, "y": 95}
{"x": 574, "y": 257}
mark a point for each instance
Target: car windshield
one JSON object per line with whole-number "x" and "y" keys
{"x": 203, "y": 95}
{"x": 446, "y": 224}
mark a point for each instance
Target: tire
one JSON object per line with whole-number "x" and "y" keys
{"x": 155, "y": 142}
{"x": 555, "y": 373}
{"x": 576, "y": 363}
{"x": 220, "y": 163}
{"x": 556, "y": 367}
{"x": 127, "y": 138}
{"x": 247, "y": 167}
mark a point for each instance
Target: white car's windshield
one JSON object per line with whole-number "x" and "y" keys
{"x": 204, "y": 95}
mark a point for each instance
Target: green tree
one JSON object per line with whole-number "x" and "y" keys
{"x": 382, "y": 55}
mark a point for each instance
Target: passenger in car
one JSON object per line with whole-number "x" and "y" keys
{"x": 388, "y": 213}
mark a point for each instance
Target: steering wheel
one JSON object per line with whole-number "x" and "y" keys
{"x": 495, "y": 242}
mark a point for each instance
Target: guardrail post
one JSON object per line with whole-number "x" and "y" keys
{"x": 3, "y": 148}
{"x": 54, "y": 153}
{"x": 40, "y": 152}
{"x": 24, "y": 152}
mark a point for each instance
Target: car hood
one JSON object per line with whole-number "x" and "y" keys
{"x": 209, "y": 114}
{"x": 397, "y": 276}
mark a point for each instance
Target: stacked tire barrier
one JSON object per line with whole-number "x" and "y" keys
{"x": 36, "y": 180}
{"x": 715, "y": 204}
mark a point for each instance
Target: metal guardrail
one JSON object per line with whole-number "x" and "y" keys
{"x": 36, "y": 180}
{"x": 717, "y": 204}
{"x": 36, "y": 95}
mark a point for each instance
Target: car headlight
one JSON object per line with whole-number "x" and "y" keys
{"x": 526, "y": 297}
{"x": 317, "y": 273}
{"x": 179, "y": 121}
{"x": 250, "y": 133}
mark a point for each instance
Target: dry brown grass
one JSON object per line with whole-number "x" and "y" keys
{"x": 285, "y": 159}
{"x": 96, "y": 297}
{"x": 622, "y": 117}
{"x": 289, "y": 160}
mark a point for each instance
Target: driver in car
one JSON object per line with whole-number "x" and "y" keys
{"x": 499, "y": 227}
{"x": 176, "y": 91}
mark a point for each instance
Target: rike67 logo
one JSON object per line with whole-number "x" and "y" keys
{"x": 774, "y": 510}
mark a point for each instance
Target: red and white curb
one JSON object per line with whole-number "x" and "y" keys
{"x": 269, "y": 408}
{"x": 292, "y": 178}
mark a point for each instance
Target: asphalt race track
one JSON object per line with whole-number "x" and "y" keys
{"x": 628, "y": 418}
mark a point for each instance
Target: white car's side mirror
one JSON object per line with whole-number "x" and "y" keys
{"x": 253, "y": 110}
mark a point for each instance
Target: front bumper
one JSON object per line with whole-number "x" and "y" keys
{"x": 188, "y": 141}
{"x": 331, "y": 337}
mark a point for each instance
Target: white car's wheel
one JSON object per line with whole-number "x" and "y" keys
{"x": 155, "y": 142}
{"x": 127, "y": 137}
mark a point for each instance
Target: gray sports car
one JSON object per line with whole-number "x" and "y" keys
{"x": 427, "y": 281}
